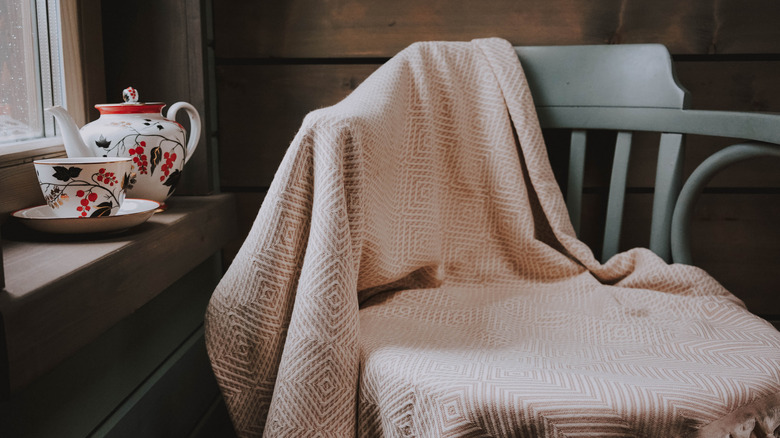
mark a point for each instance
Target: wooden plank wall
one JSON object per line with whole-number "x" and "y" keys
{"x": 276, "y": 61}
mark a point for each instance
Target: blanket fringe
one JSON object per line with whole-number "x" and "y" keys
{"x": 758, "y": 419}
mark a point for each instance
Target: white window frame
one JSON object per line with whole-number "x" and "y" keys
{"x": 25, "y": 151}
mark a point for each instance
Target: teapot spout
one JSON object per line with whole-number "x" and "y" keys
{"x": 74, "y": 144}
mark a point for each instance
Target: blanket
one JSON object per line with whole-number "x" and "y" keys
{"x": 413, "y": 272}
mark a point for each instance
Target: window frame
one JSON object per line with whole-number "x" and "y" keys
{"x": 16, "y": 157}
{"x": 72, "y": 89}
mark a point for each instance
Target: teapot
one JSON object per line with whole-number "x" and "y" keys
{"x": 137, "y": 130}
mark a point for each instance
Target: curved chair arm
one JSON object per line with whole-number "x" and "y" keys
{"x": 681, "y": 251}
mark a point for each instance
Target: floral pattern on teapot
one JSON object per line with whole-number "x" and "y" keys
{"x": 155, "y": 146}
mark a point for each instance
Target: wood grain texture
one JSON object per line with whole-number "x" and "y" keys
{"x": 62, "y": 292}
{"x": 20, "y": 189}
{"x": 736, "y": 237}
{"x": 172, "y": 400}
{"x": 77, "y": 396}
{"x": 92, "y": 61}
{"x": 247, "y": 206}
{"x": 273, "y": 99}
{"x": 262, "y": 107}
{"x": 215, "y": 423}
{"x": 351, "y": 28}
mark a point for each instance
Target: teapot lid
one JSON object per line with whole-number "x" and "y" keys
{"x": 131, "y": 105}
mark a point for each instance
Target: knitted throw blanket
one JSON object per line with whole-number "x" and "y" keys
{"x": 413, "y": 272}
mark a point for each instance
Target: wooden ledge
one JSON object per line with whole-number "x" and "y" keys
{"x": 62, "y": 292}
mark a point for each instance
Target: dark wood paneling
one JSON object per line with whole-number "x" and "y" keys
{"x": 92, "y": 61}
{"x": 737, "y": 239}
{"x": 91, "y": 385}
{"x": 215, "y": 423}
{"x": 172, "y": 400}
{"x": 262, "y": 107}
{"x": 350, "y": 28}
{"x": 247, "y": 206}
{"x": 732, "y": 85}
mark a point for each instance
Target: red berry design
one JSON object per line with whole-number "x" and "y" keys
{"x": 167, "y": 167}
{"x": 140, "y": 158}
{"x": 80, "y": 193}
{"x": 143, "y": 163}
{"x": 92, "y": 197}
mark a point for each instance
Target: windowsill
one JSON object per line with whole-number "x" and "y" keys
{"x": 63, "y": 292}
{"x": 17, "y": 174}
{"x": 27, "y": 151}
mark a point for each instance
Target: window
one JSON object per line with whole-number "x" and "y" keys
{"x": 39, "y": 52}
{"x": 31, "y": 72}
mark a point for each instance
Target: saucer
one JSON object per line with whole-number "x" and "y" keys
{"x": 133, "y": 212}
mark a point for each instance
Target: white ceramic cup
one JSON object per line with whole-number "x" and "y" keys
{"x": 84, "y": 187}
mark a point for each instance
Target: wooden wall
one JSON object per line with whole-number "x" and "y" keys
{"x": 276, "y": 61}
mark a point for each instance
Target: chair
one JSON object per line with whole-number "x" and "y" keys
{"x": 628, "y": 88}
{"x": 408, "y": 259}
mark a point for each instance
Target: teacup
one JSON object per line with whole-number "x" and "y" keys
{"x": 84, "y": 187}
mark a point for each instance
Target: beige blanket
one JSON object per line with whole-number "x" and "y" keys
{"x": 413, "y": 272}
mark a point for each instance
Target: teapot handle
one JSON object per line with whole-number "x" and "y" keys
{"x": 192, "y": 143}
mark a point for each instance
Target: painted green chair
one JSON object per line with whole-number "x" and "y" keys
{"x": 630, "y": 88}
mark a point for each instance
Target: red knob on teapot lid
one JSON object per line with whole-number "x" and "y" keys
{"x": 130, "y": 95}
{"x": 131, "y": 105}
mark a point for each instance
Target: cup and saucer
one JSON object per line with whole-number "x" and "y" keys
{"x": 85, "y": 195}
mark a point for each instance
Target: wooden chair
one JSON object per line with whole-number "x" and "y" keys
{"x": 630, "y": 88}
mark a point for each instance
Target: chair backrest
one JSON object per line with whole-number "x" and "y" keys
{"x": 628, "y": 88}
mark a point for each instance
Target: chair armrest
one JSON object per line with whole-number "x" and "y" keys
{"x": 681, "y": 219}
